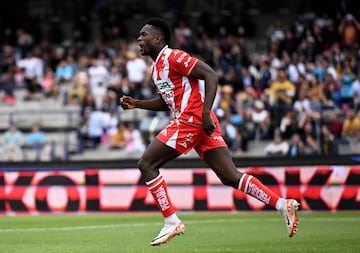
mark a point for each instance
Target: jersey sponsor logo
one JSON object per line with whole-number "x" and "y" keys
{"x": 163, "y": 85}
{"x": 218, "y": 138}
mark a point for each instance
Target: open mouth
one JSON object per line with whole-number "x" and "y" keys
{"x": 141, "y": 48}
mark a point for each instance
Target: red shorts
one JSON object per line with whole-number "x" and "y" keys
{"x": 184, "y": 136}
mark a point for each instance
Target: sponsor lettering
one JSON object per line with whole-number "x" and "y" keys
{"x": 163, "y": 85}
{"x": 256, "y": 192}
{"x": 162, "y": 198}
{"x": 186, "y": 63}
{"x": 328, "y": 188}
{"x": 181, "y": 57}
{"x": 218, "y": 138}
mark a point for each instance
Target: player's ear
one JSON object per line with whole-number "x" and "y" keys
{"x": 158, "y": 38}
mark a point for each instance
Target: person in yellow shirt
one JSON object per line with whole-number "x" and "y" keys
{"x": 118, "y": 140}
{"x": 282, "y": 90}
{"x": 351, "y": 127}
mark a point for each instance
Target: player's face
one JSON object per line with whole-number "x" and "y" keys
{"x": 148, "y": 40}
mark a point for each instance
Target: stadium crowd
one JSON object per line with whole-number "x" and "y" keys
{"x": 302, "y": 93}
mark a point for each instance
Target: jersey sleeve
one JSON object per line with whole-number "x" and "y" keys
{"x": 183, "y": 62}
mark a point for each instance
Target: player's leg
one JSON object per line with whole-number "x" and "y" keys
{"x": 219, "y": 159}
{"x": 156, "y": 155}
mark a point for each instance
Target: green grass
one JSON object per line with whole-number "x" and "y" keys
{"x": 206, "y": 232}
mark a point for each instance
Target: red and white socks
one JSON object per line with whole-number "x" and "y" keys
{"x": 247, "y": 183}
{"x": 252, "y": 186}
{"x": 158, "y": 189}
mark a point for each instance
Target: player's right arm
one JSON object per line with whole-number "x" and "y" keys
{"x": 157, "y": 104}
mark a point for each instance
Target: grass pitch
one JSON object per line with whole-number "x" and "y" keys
{"x": 251, "y": 232}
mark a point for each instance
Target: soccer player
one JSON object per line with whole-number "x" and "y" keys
{"x": 178, "y": 78}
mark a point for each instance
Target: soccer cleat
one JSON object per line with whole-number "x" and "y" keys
{"x": 291, "y": 217}
{"x": 167, "y": 233}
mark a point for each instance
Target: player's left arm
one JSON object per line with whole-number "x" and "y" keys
{"x": 204, "y": 72}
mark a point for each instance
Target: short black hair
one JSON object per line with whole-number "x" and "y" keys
{"x": 162, "y": 26}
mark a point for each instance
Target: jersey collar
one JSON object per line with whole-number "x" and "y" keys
{"x": 160, "y": 53}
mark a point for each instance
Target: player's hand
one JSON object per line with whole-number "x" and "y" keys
{"x": 127, "y": 102}
{"x": 208, "y": 124}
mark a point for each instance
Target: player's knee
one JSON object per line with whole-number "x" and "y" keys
{"x": 229, "y": 181}
{"x": 145, "y": 166}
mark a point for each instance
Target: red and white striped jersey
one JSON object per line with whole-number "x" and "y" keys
{"x": 182, "y": 94}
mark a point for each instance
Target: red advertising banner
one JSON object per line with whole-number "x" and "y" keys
{"x": 317, "y": 188}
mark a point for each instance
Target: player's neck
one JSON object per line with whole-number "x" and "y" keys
{"x": 156, "y": 52}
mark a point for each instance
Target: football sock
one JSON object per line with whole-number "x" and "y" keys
{"x": 280, "y": 204}
{"x": 158, "y": 189}
{"x": 252, "y": 186}
{"x": 172, "y": 219}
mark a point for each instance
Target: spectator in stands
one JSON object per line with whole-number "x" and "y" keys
{"x": 95, "y": 127}
{"x": 7, "y": 86}
{"x": 136, "y": 69}
{"x": 118, "y": 140}
{"x": 265, "y": 75}
{"x": 351, "y": 127}
{"x": 332, "y": 91}
{"x": 346, "y": 90}
{"x": 328, "y": 143}
{"x": 261, "y": 118}
{"x": 296, "y": 146}
{"x": 25, "y": 41}
{"x": 302, "y": 105}
{"x": 182, "y": 32}
{"x": 281, "y": 93}
{"x": 98, "y": 74}
{"x": 356, "y": 91}
{"x": 278, "y": 147}
{"x": 283, "y": 90}
{"x": 19, "y": 77}
{"x": 50, "y": 87}
{"x": 289, "y": 124}
{"x": 134, "y": 141}
{"x": 316, "y": 95}
{"x": 110, "y": 127}
{"x": 229, "y": 132}
{"x": 227, "y": 102}
{"x": 64, "y": 72}
{"x": 116, "y": 90}
{"x": 12, "y": 141}
{"x": 36, "y": 140}
{"x": 309, "y": 138}
{"x": 99, "y": 93}
{"x": 34, "y": 73}
{"x": 335, "y": 124}
{"x": 87, "y": 105}
{"x": 78, "y": 90}
{"x": 7, "y": 58}
{"x": 349, "y": 29}
{"x": 235, "y": 136}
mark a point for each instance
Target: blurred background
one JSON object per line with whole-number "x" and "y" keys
{"x": 288, "y": 70}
